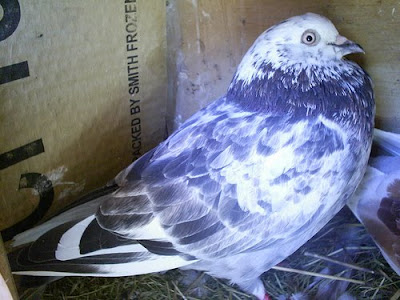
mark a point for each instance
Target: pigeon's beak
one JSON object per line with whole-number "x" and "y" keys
{"x": 345, "y": 46}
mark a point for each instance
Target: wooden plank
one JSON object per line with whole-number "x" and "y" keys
{"x": 6, "y": 273}
{"x": 214, "y": 35}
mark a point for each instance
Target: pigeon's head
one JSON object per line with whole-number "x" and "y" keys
{"x": 308, "y": 41}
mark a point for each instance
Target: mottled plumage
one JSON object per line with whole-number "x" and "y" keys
{"x": 376, "y": 202}
{"x": 241, "y": 184}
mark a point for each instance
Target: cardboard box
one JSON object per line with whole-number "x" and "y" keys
{"x": 82, "y": 94}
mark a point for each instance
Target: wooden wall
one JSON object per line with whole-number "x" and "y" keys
{"x": 207, "y": 38}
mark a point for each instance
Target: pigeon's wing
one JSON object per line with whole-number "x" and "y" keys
{"x": 231, "y": 181}
{"x": 377, "y": 200}
{"x": 227, "y": 182}
{"x": 88, "y": 204}
{"x": 81, "y": 240}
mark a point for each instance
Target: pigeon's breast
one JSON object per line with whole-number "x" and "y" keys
{"x": 341, "y": 92}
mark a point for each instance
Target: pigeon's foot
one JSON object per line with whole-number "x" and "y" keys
{"x": 266, "y": 297}
{"x": 256, "y": 287}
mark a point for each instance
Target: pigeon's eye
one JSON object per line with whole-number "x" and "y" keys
{"x": 310, "y": 37}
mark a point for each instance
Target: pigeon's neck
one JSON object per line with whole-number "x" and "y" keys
{"x": 342, "y": 96}
{"x": 312, "y": 90}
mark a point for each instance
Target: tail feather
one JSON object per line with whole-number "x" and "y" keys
{"x": 103, "y": 265}
{"x": 83, "y": 248}
{"x": 102, "y": 234}
{"x": 79, "y": 210}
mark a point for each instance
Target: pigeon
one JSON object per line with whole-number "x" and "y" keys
{"x": 376, "y": 202}
{"x": 241, "y": 184}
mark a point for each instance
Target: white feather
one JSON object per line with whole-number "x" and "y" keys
{"x": 75, "y": 213}
{"x": 68, "y": 246}
{"x": 151, "y": 231}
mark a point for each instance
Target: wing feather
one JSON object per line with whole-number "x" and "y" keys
{"x": 213, "y": 188}
{"x": 224, "y": 179}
